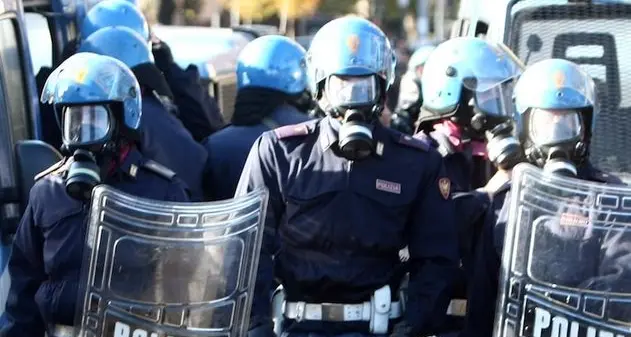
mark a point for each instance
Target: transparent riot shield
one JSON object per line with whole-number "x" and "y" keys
{"x": 566, "y": 266}
{"x": 157, "y": 269}
{"x": 597, "y": 36}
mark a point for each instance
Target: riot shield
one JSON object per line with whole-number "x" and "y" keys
{"x": 566, "y": 269}
{"x": 157, "y": 269}
{"x": 597, "y": 36}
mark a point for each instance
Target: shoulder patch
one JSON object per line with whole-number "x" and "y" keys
{"x": 158, "y": 169}
{"x": 291, "y": 131}
{"x": 414, "y": 142}
{"x": 56, "y": 168}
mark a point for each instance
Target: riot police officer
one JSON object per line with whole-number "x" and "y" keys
{"x": 197, "y": 110}
{"x": 100, "y": 119}
{"x": 410, "y": 98}
{"x": 466, "y": 87}
{"x": 104, "y": 13}
{"x": 272, "y": 92}
{"x": 346, "y": 194}
{"x": 164, "y": 138}
{"x": 555, "y": 105}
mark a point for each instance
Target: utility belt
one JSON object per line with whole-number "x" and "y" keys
{"x": 378, "y": 311}
{"x": 457, "y": 307}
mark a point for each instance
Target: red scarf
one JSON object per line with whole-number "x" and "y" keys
{"x": 454, "y": 133}
{"x": 125, "y": 149}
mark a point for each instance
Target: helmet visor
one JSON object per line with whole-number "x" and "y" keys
{"x": 85, "y": 124}
{"x": 497, "y": 100}
{"x": 351, "y": 91}
{"x": 549, "y": 127}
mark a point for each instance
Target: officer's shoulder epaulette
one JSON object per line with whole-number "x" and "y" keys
{"x": 606, "y": 178}
{"x": 55, "y": 168}
{"x": 159, "y": 169}
{"x": 417, "y": 143}
{"x": 294, "y": 130}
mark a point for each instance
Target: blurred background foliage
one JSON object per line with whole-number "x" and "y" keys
{"x": 293, "y": 17}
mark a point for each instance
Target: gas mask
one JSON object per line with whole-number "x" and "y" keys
{"x": 557, "y": 140}
{"x": 83, "y": 175}
{"x": 86, "y": 131}
{"x": 503, "y": 148}
{"x": 354, "y": 99}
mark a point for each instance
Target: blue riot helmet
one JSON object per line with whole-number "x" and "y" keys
{"x": 121, "y": 43}
{"x": 555, "y": 103}
{"x": 418, "y": 59}
{"x": 88, "y": 4}
{"x": 97, "y": 103}
{"x": 273, "y": 62}
{"x": 109, "y": 13}
{"x": 469, "y": 80}
{"x": 125, "y": 45}
{"x": 350, "y": 65}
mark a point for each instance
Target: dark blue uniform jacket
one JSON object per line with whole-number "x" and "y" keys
{"x": 228, "y": 149}
{"x": 198, "y": 111}
{"x": 165, "y": 140}
{"x": 47, "y": 251}
{"x": 334, "y": 227}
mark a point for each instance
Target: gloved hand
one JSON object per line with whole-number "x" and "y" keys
{"x": 264, "y": 330}
{"x": 401, "y": 329}
{"x": 162, "y": 54}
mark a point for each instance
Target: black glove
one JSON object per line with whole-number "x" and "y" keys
{"x": 162, "y": 54}
{"x": 401, "y": 329}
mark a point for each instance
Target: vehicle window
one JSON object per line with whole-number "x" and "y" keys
{"x": 40, "y": 41}
{"x": 14, "y": 80}
{"x": 13, "y": 124}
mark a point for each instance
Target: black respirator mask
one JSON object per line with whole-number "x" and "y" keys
{"x": 83, "y": 175}
{"x": 355, "y": 99}
{"x": 557, "y": 143}
{"x": 86, "y": 132}
{"x": 503, "y": 148}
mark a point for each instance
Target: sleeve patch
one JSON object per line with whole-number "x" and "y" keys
{"x": 291, "y": 131}
{"x": 414, "y": 142}
{"x": 444, "y": 185}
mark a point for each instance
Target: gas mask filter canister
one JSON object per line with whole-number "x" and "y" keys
{"x": 83, "y": 175}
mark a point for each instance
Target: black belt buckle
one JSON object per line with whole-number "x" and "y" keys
{"x": 333, "y": 312}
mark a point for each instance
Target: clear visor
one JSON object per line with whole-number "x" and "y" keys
{"x": 351, "y": 91}
{"x": 85, "y": 124}
{"x": 479, "y": 69}
{"x": 549, "y": 127}
{"x": 496, "y": 100}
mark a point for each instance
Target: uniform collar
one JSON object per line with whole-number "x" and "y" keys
{"x": 131, "y": 163}
{"x": 329, "y": 128}
{"x": 329, "y": 135}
